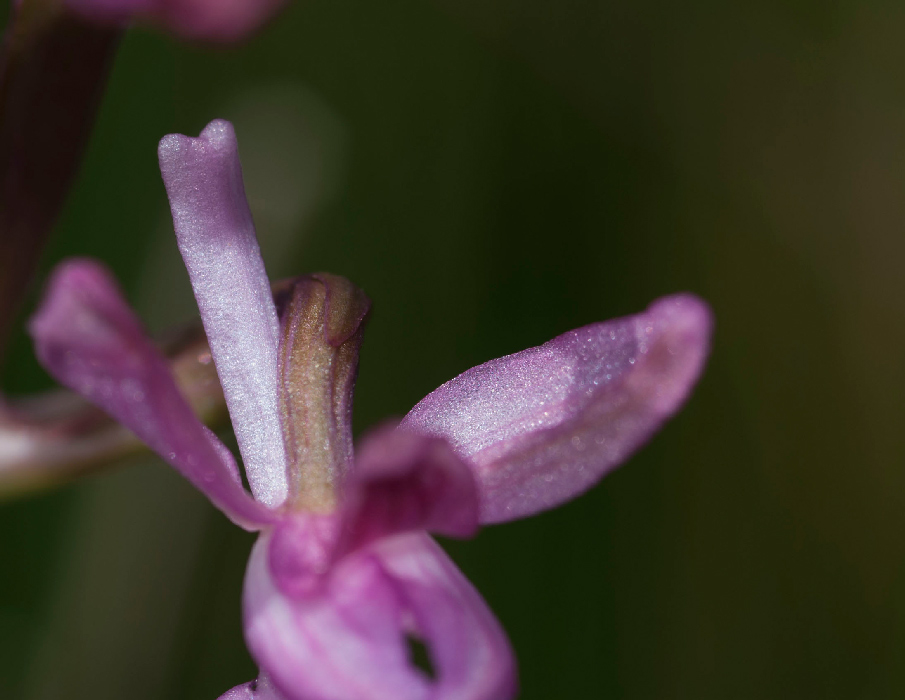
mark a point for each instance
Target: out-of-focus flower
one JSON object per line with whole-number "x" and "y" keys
{"x": 54, "y": 63}
{"x": 343, "y": 574}
{"x": 211, "y": 20}
{"x": 53, "y": 68}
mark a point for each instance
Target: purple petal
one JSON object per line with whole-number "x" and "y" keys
{"x": 87, "y": 337}
{"x": 302, "y": 550}
{"x": 543, "y": 425}
{"x": 350, "y": 642}
{"x": 212, "y": 20}
{"x": 216, "y": 237}
{"x": 404, "y": 482}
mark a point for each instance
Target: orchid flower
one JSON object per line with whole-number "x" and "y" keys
{"x": 343, "y": 574}
{"x": 211, "y": 20}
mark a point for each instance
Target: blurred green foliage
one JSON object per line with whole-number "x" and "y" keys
{"x": 493, "y": 173}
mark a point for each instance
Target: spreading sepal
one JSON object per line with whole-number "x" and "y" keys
{"x": 545, "y": 424}
{"x": 88, "y": 338}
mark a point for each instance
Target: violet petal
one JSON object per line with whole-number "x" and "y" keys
{"x": 404, "y": 482}
{"x": 302, "y": 550}
{"x": 350, "y": 642}
{"x": 543, "y": 425}
{"x": 216, "y": 237}
{"x": 87, "y": 337}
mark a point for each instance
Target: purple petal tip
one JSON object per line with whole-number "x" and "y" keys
{"x": 215, "y": 142}
{"x": 680, "y": 328}
{"x": 78, "y": 289}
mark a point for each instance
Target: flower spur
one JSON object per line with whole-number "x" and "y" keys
{"x": 343, "y": 574}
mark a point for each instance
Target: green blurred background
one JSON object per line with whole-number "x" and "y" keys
{"x": 493, "y": 173}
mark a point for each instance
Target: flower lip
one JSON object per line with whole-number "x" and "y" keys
{"x": 545, "y": 424}
{"x": 302, "y": 551}
{"x": 350, "y": 640}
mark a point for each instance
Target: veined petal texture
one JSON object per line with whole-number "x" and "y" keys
{"x": 216, "y": 237}
{"x": 350, "y": 641}
{"x": 543, "y": 425}
{"x": 87, "y": 337}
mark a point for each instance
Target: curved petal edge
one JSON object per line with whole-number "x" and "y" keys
{"x": 216, "y": 237}
{"x": 87, "y": 338}
{"x": 542, "y": 426}
{"x": 352, "y": 639}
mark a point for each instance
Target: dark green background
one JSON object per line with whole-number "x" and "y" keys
{"x": 493, "y": 173}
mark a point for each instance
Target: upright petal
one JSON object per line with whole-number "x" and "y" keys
{"x": 87, "y": 337}
{"x": 543, "y": 425}
{"x": 216, "y": 237}
{"x": 351, "y": 642}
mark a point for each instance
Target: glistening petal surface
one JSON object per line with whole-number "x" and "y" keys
{"x": 543, "y": 425}
{"x": 350, "y": 640}
{"x": 216, "y": 237}
{"x": 87, "y": 337}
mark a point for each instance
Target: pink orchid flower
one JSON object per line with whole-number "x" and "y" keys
{"x": 344, "y": 573}
{"x": 212, "y": 20}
